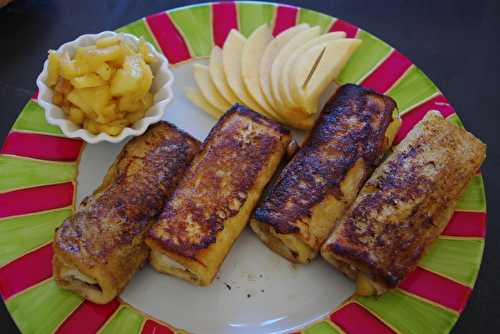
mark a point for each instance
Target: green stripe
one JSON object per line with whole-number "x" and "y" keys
{"x": 138, "y": 28}
{"x": 455, "y": 120}
{"x": 455, "y": 258}
{"x": 21, "y": 234}
{"x": 253, "y": 15}
{"x": 32, "y": 118}
{"x": 371, "y": 51}
{"x": 321, "y": 328}
{"x": 314, "y": 18}
{"x": 474, "y": 197}
{"x": 43, "y": 308}
{"x": 414, "y": 87}
{"x": 196, "y": 27}
{"x": 124, "y": 321}
{"x": 409, "y": 315}
{"x": 16, "y": 173}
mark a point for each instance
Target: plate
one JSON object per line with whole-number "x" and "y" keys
{"x": 43, "y": 175}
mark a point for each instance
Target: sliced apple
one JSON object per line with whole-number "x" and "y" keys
{"x": 250, "y": 60}
{"x": 304, "y": 67}
{"x": 270, "y": 54}
{"x": 207, "y": 87}
{"x": 277, "y": 67}
{"x": 285, "y": 85}
{"x": 231, "y": 60}
{"x": 298, "y": 119}
{"x": 197, "y": 98}
{"x": 216, "y": 70}
{"x": 329, "y": 65}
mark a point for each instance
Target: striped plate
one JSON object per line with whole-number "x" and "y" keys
{"x": 38, "y": 170}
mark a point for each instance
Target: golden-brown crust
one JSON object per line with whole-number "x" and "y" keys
{"x": 218, "y": 181}
{"x": 350, "y": 127}
{"x": 112, "y": 222}
{"x": 147, "y": 170}
{"x": 407, "y": 202}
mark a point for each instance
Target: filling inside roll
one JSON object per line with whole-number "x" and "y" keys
{"x": 168, "y": 265}
{"x": 73, "y": 276}
{"x": 287, "y": 245}
{"x": 73, "y": 273}
{"x": 365, "y": 285}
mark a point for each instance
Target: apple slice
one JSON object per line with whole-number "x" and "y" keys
{"x": 205, "y": 84}
{"x": 285, "y": 85}
{"x": 216, "y": 70}
{"x": 270, "y": 54}
{"x": 197, "y": 98}
{"x": 328, "y": 66}
{"x": 303, "y": 69}
{"x": 296, "y": 42}
{"x": 250, "y": 60}
{"x": 298, "y": 119}
{"x": 231, "y": 61}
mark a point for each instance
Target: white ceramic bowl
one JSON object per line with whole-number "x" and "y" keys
{"x": 161, "y": 89}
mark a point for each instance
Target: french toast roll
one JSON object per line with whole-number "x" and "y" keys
{"x": 353, "y": 132}
{"x": 98, "y": 249}
{"x": 215, "y": 198}
{"x": 405, "y": 205}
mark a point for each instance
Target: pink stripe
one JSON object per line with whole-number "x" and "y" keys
{"x": 467, "y": 224}
{"x": 152, "y": 327}
{"x": 341, "y": 25}
{"x": 35, "y": 95}
{"x": 286, "y": 16}
{"x": 42, "y": 146}
{"x": 412, "y": 117}
{"x": 436, "y": 288}
{"x": 224, "y": 18}
{"x": 387, "y": 73}
{"x": 88, "y": 318}
{"x": 170, "y": 40}
{"x": 26, "y": 271}
{"x": 354, "y": 319}
{"x": 36, "y": 199}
